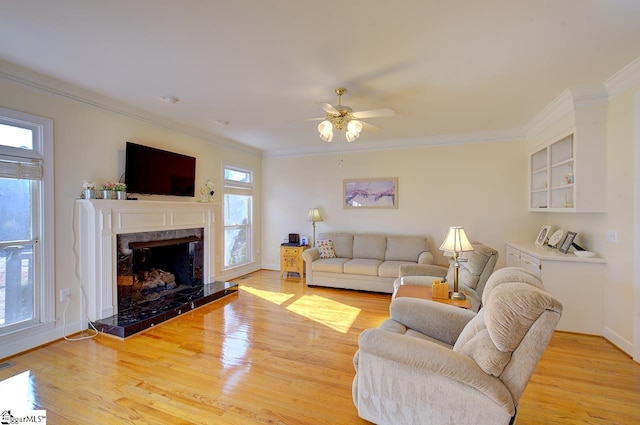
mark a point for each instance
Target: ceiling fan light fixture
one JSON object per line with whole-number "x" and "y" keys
{"x": 325, "y": 128}
{"x": 354, "y": 126}
{"x": 351, "y": 136}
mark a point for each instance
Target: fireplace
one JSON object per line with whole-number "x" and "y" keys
{"x": 143, "y": 262}
{"x": 151, "y": 265}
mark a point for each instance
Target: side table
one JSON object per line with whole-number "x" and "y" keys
{"x": 291, "y": 260}
{"x": 424, "y": 292}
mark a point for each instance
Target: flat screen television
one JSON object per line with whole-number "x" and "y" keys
{"x": 155, "y": 171}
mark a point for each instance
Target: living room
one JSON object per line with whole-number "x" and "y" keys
{"x": 478, "y": 179}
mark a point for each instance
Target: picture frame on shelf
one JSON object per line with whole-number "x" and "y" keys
{"x": 543, "y": 235}
{"x": 568, "y": 241}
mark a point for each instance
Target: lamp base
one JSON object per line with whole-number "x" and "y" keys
{"x": 457, "y": 296}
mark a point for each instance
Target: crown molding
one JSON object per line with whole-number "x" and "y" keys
{"x": 624, "y": 79}
{"x": 41, "y": 83}
{"x": 509, "y": 135}
{"x": 567, "y": 102}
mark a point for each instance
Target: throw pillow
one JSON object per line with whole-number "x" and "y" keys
{"x": 325, "y": 247}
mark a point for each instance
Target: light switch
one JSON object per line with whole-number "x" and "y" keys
{"x": 612, "y": 236}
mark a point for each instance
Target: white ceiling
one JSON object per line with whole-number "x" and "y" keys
{"x": 448, "y": 68}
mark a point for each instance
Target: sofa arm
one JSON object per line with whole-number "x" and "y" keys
{"x": 385, "y": 354}
{"x": 425, "y": 257}
{"x": 310, "y": 255}
{"x": 436, "y": 320}
{"x": 421, "y": 270}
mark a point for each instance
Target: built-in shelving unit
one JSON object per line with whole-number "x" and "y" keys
{"x": 567, "y": 156}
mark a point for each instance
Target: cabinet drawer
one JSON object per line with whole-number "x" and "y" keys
{"x": 289, "y": 251}
{"x": 530, "y": 263}
{"x": 513, "y": 257}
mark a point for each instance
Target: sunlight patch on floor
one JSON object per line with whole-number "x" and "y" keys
{"x": 322, "y": 310}
{"x": 275, "y": 297}
{"x": 17, "y": 392}
{"x": 327, "y": 312}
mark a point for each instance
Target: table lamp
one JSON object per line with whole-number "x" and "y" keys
{"x": 314, "y": 217}
{"x": 455, "y": 243}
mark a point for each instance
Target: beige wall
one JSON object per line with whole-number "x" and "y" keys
{"x": 480, "y": 186}
{"x": 89, "y": 144}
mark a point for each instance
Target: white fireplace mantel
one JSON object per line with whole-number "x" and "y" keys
{"x": 96, "y": 224}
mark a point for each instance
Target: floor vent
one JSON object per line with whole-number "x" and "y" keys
{"x": 6, "y": 365}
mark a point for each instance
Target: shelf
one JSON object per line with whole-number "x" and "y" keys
{"x": 561, "y": 163}
{"x": 563, "y": 186}
{"x": 541, "y": 170}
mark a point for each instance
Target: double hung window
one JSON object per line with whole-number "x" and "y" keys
{"x": 25, "y": 154}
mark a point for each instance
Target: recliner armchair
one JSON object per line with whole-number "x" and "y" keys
{"x": 473, "y": 273}
{"x": 439, "y": 364}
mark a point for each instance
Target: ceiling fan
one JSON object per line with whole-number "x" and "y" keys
{"x": 341, "y": 117}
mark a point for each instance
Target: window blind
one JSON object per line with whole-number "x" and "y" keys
{"x": 20, "y": 168}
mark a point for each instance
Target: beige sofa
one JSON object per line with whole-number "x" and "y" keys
{"x": 367, "y": 262}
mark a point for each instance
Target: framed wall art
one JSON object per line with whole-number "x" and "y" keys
{"x": 370, "y": 193}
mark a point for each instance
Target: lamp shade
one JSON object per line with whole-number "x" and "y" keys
{"x": 314, "y": 215}
{"x": 456, "y": 240}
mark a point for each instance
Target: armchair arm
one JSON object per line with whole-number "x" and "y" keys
{"x": 421, "y": 270}
{"x": 436, "y": 320}
{"x": 430, "y": 365}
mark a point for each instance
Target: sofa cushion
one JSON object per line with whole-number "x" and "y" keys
{"x": 342, "y": 243}
{"x": 405, "y": 248}
{"x": 331, "y": 265}
{"x": 369, "y": 246}
{"x": 325, "y": 248}
{"x": 391, "y": 268}
{"x": 362, "y": 266}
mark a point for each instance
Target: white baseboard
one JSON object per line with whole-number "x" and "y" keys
{"x": 29, "y": 339}
{"x": 618, "y": 341}
{"x": 275, "y": 267}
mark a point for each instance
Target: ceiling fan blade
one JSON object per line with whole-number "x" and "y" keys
{"x": 369, "y": 127}
{"x": 382, "y": 112}
{"x": 315, "y": 119}
{"x": 329, "y": 108}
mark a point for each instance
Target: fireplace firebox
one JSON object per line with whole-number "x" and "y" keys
{"x": 152, "y": 265}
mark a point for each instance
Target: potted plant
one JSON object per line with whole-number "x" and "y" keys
{"x": 121, "y": 191}
{"x": 88, "y": 189}
{"x": 107, "y": 190}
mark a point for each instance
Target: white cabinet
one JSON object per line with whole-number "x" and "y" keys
{"x": 567, "y": 156}
{"x": 576, "y": 282}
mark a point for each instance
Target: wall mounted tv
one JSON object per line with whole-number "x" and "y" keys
{"x": 154, "y": 171}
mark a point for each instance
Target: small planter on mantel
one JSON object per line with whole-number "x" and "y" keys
{"x": 107, "y": 194}
{"x": 121, "y": 195}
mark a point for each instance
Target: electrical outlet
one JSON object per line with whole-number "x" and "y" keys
{"x": 65, "y": 294}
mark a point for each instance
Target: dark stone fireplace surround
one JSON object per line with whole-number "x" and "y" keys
{"x": 178, "y": 253}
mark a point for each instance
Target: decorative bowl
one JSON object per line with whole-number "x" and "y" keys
{"x": 585, "y": 254}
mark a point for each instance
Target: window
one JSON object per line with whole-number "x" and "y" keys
{"x": 238, "y": 216}
{"x": 25, "y": 177}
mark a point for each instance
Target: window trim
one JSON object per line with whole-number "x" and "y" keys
{"x": 44, "y": 270}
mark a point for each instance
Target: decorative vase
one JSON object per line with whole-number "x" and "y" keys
{"x": 121, "y": 195}
{"x": 89, "y": 194}
{"x": 107, "y": 194}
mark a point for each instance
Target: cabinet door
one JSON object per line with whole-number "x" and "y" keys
{"x": 513, "y": 257}
{"x": 530, "y": 263}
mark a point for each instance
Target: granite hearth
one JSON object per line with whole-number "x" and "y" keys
{"x": 144, "y": 315}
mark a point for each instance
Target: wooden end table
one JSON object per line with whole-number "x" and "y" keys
{"x": 424, "y": 292}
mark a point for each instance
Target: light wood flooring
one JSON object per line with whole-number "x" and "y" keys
{"x": 279, "y": 353}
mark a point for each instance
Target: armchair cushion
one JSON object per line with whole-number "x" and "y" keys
{"x": 473, "y": 269}
{"x": 499, "y": 328}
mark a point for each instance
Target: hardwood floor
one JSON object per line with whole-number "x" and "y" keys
{"x": 279, "y": 353}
